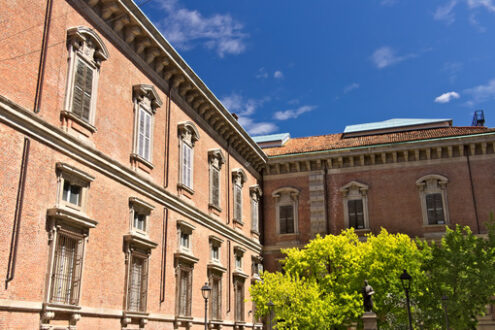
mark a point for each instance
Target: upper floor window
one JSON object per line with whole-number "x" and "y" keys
{"x": 216, "y": 160}
{"x": 286, "y": 200}
{"x": 215, "y": 244}
{"x": 433, "y": 196}
{"x": 139, "y": 216}
{"x": 184, "y": 232}
{"x": 86, "y": 53}
{"x": 255, "y": 194}
{"x": 73, "y": 186}
{"x": 238, "y": 179}
{"x": 188, "y": 135}
{"x": 146, "y": 101}
{"x": 355, "y": 198}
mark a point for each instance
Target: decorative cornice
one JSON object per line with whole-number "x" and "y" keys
{"x": 133, "y": 28}
{"x": 374, "y": 156}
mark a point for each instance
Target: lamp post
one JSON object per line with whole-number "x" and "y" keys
{"x": 405, "y": 278}
{"x": 205, "y": 291}
{"x": 444, "y": 303}
{"x": 270, "y": 306}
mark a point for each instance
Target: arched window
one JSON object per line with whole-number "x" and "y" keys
{"x": 287, "y": 204}
{"x": 355, "y": 198}
{"x": 433, "y": 198}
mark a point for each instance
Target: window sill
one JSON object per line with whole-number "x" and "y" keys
{"x": 72, "y": 217}
{"x": 135, "y": 315}
{"x": 185, "y": 257}
{"x": 67, "y": 115}
{"x": 255, "y": 232}
{"x": 55, "y": 307}
{"x": 133, "y": 239}
{"x": 238, "y": 222}
{"x": 214, "y": 207}
{"x": 240, "y": 273}
{"x": 137, "y": 160}
{"x": 183, "y": 188}
{"x": 216, "y": 266}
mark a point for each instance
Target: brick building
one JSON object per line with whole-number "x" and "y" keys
{"x": 406, "y": 175}
{"x": 125, "y": 183}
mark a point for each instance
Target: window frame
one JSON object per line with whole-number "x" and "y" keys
{"x": 353, "y": 191}
{"x": 255, "y": 193}
{"x": 68, "y": 174}
{"x": 86, "y": 46}
{"x": 215, "y": 161}
{"x": 188, "y": 135}
{"x": 184, "y": 228}
{"x": 433, "y": 184}
{"x": 239, "y": 177}
{"x": 215, "y": 276}
{"x": 144, "y": 279}
{"x": 286, "y": 196}
{"x": 139, "y": 206}
{"x": 146, "y": 101}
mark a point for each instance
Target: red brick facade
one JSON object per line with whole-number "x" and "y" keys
{"x": 102, "y": 154}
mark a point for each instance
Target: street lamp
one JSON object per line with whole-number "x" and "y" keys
{"x": 444, "y": 303}
{"x": 205, "y": 291}
{"x": 405, "y": 278}
{"x": 270, "y": 307}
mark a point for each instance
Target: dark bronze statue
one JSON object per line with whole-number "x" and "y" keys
{"x": 367, "y": 293}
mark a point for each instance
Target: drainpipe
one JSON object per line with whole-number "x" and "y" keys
{"x": 468, "y": 162}
{"x": 44, "y": 48}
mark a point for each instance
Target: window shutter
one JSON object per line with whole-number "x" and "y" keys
{"x": 147, "y": 135}
{"x": 76, "y": 278}
{"x": 238, "y": 203}
{"x": 439, "y": 209}
{"x": 430, "y": 209}
{"x": 140, "y": 150}
{"x": 83, "y": 89}
{"x": 254, "y": 214}
{"x": 215, "y": 186}
{"x": 351, "y": 209}
{"x": 359, "y": 213}
{"x": 189, "y": 291}
{"x": 183, "y": 282}
{"x": 144, "y": 285}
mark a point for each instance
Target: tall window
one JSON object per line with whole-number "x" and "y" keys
{"x": 86, "y": 53}
{"x": 185, "y": 286}
{"x": 68, "y": 226}
{"x": 216, "y": 160}
{"x": 286, "y": 201}
{"x": 239, "y": 299}
{"x": 355, "y": 199}
{"x": 238, "y": 179}
{"x": 188, "y": 135}
{"x": 255, "y": 194}
{"x": 146, "y": 102}
{"x": 216, "y": 297}
{"x": 138, "y": 283}
{"x": 67, "y": 268}
{"x": 433, "y": 197}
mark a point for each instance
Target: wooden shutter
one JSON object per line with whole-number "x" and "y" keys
{"x": 215, "y": 186}
{"x": 147, "y": 135}
{"x": 186, "y": 165}
{"x": 76, "y": 278}
{"x": 83, "y": 87}
{"x": 254, "y": 214}
{"x": 144, "y": 285}
{"x": 238, "y": 202}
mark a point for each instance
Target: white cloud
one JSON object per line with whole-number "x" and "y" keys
{"x": 386, "y": 56}
{"x": 245, "y": 109}
{"x": 447, "y": 97}
{"x": 351, "y": 87}
{"x": 293, "y": 113}
{"x": 487, "y": 4}
{"x": 481, "y": 93}
{"x": 261, "y": 74}
{"x": 445, "y": 12}
{"x": 186, "y": 28}
{"x": 278, "y": 75}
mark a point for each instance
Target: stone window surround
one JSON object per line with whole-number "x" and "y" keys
{"x": 188, "y": 134}
{"x": 136, "y": 246}
{"x": 83, "y": 44}
{"x": 214, "y": 274}
{"x": 239, "y": 253}
{"x": 255, "y": 193}
{"x": 239, "y": 177}
{"x": 141, "y": 207}
{"x": 430, "y": 184}
{"x": 215, "y": 160}
{"x": 215, "y": 242}
{"x": 144, "y": 97}
{"x": 75, "y": 177}
{"x": 293, "y": 195}
{"x": 355, "y": 191}
{"x": 184, "y": 227}
{"x": 257, "y": 267}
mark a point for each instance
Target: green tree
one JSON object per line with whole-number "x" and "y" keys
{"x": 321, "y": 287}
{"x": 460, "y": 268}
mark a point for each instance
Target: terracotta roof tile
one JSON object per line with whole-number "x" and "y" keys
{"x": 336, "y": 141}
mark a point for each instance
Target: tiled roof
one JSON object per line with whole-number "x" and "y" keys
{"x": 336, "y": 141}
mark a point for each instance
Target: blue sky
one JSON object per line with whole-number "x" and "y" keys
{"x": 313, "y": 67}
